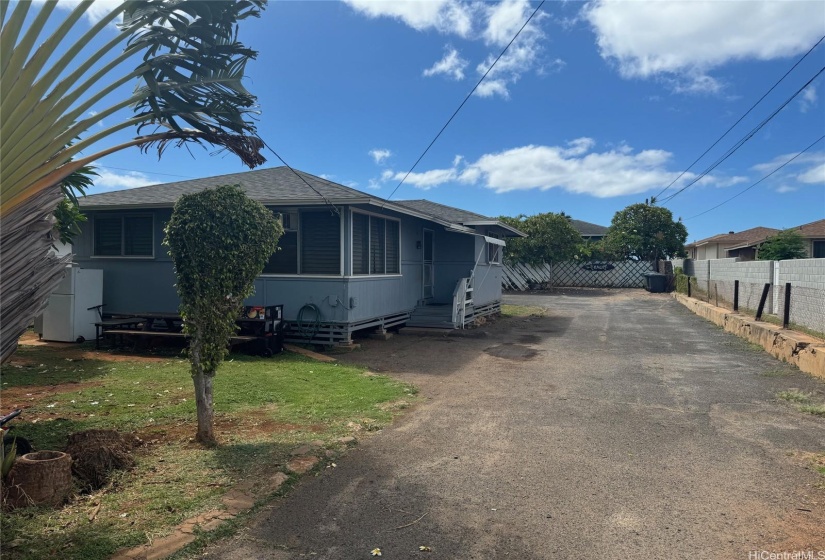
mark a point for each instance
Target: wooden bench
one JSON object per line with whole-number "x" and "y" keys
{"x": 239, "y": 339}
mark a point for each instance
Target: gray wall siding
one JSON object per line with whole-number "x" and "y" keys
{"x": 132, "y": 285}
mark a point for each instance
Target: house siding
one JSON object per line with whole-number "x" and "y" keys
{"x": 135, "y": 285}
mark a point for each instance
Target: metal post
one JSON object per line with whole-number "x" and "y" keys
{"x": 786, "y": 315}
{"x": 765, "y": 291}
{"x": 716, "y": 291}
{"x": 689, "y": 286}
{"x": 736, "y": 295}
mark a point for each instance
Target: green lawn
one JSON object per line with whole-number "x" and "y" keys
{"x": 264, "y": 408}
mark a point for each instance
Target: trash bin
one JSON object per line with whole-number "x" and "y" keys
{"x": 655, "y": 283}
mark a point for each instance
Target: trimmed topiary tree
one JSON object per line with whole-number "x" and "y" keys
{"x": 219, "y": 240}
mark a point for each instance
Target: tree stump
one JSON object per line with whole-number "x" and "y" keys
{"x": 40, "y": 478}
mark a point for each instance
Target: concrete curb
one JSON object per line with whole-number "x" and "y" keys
{"x": 805, "y": 352}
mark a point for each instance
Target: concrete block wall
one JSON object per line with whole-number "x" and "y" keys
{"x": 807, "y": 279}
{"x": 752, "y": 276}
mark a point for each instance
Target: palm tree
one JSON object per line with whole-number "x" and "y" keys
{"x": 187, "y": 62}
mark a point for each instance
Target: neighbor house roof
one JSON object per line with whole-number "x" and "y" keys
{"x": 283, "y": 186}
{"x": 744, "y": 238}
{"x": 813, "y": 229}
{"x": 587, "y": 229}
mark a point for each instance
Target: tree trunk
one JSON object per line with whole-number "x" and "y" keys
{"x": 28, "y": 271}
{"x": 203, "y": 401}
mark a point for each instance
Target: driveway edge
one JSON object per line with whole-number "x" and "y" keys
{"x": 805, "y": 352}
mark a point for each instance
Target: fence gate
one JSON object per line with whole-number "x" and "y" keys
{"x": 575, "y": 274}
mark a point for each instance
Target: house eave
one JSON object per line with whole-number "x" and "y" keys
{"x": 502, "y": 225}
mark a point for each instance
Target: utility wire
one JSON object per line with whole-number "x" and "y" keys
{"x": 466, "y": 99}
{"x": 743, "y": 116}
{"x": 759, "y": 181}
{"x": 301, "y": 177}
{"x": 742, "y": 141}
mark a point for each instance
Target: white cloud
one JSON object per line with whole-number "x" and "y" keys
{"x": 785, "y": 189}
{"x": 494, "y": 25}
{"x": 379, "y": 155}
{"x": 387, "y": 175}
{"x": 327, "y": 177}
{"x": 427, "y": 179}
{"x": 815, "y": 158}
{"x": 374, "y": 184}
{"x": 574, "y": 167}
{"x": 813, "y": 175}
{"x": 808, "y": 99}
{"x": 94, "y": 13}
{"x": 111, "y": 181}
{"x": 451, "y": 65}
{"x": 445, "y": 16}
{"x": 688, "y": 39}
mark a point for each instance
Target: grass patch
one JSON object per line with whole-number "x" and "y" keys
{"x": 521, "y": 310}
{"x": 794, "y": 396}
{"x": 264, "y": 408}
{"x": 815, "y": 409}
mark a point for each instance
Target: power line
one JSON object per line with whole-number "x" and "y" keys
{"x": 743, "y": 116}
{"x": 742, "y": 141}
{"x": 430, "y": 145}
{"x": 301, "y": 177}
{"x": 759, "y": 181}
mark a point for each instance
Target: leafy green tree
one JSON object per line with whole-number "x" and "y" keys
{"x": 186, "y": 64}
{"x": 219, "y": 240}
{"x": 785, "y": 245}
{"x": 645, "y": 232}
{"x": 550, "y": 237}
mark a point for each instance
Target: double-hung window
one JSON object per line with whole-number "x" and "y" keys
{"x": 375, "y": 245}
{"x": 123, "y": 236}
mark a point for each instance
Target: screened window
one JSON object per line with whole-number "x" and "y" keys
{"x": 285, "y": 259}
{"x": 493, "y": 253}
{"x": 375, "y": 245}
{"x": 129, "y": 236}
{"x": 320, "y": 243}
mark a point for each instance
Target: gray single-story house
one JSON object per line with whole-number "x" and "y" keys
{"x": 348, "y": 260}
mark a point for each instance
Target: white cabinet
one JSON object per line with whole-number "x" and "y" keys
{"x": 68, "y": 318}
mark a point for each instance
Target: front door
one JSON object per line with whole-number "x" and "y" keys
{"x": 428, "y": 272}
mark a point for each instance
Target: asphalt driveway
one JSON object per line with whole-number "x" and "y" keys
{"x": 619, "y": 425}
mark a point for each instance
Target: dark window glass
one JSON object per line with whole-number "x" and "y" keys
{"x": 320, "y": 243}
{"x": 428, "y": 245}
{"x": 377, "y": 245}
{"x": 137, "y": 236}
{"x": 493, "y": 253}
{"x": 819, "y": 250}
{"x": 285, "y": 259}
{"x": 108, "y": 236}
{"x": 393, "y": 248}
{"x": 360, "y": 243}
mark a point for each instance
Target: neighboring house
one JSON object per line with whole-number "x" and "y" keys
{"x": 363, "y": 263}
{"x": 590, "y": 232}
{"x": 814, "y": 234}
{"x": 743, "y": 244}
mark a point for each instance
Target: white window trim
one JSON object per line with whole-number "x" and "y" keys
{"x": 121, "y": 216}
{"x": 498, "y": 253}
{"x": 352, "y": 273}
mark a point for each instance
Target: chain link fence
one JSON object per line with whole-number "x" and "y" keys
{"x": 579, "y": 274}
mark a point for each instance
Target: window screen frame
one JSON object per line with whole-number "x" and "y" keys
{"x": 122, "y": 218}
{"x": 387, "y": 220}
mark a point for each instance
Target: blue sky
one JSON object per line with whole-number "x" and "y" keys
{"x": 596, "y": 106}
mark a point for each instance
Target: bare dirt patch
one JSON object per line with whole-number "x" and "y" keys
{"x": 30, "y": 395}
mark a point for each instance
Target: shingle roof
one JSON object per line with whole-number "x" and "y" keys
{"x": 813, "y": 229}
{"x": 742, "y": 239}
{"x": 448, "y": 213}
{"x": 586, "y": 228}
{"x": 274, "y": 185}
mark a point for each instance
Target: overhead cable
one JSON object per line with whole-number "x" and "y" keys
{"x": 743, "y": 191}
{"x": 742, "y": 141}
{"x": 475, "y": 87}
{"x": 752, "y": 107}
